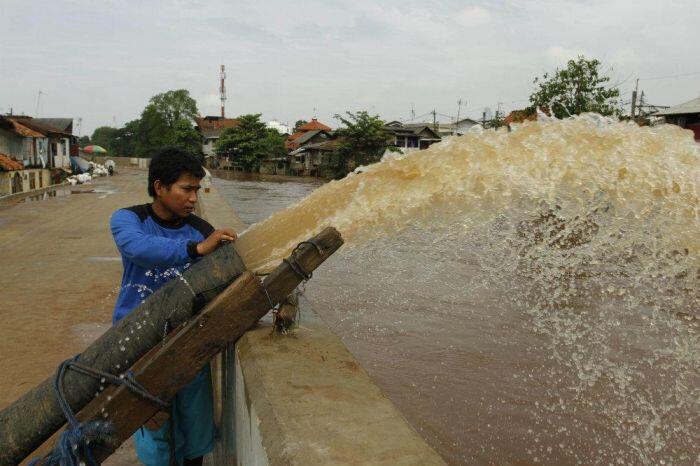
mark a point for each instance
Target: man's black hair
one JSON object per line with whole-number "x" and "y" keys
{"x": 168, "y": 164}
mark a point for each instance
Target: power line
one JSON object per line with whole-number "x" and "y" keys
{"x": 671, "y": 76}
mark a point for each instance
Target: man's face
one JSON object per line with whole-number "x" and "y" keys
{"x": 180, "y": 197}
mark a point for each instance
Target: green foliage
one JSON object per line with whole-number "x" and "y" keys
{"x": 167, "y": 120}
{"x": 173, "y": 106}
{"x": 123, "y": 144}
{"x": 496, "y": 122}
{"x": 363, "y": 141}
{"x": 576, "y": 89}
{"x": 104, "y": 136}
{"x": 84, "y": 141}
{"x": 250, "y": 142}
{"x": 299, "y": 124}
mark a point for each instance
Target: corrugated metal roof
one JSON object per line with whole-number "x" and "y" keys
{"x": 39, "y": 126}
{"x": 306, "y": 136}
{"x": 692, "y": 106}
{"x": 64, "y": 124}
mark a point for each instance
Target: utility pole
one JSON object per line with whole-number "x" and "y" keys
{"x": 634, "y": 99}
{"x": 413, "y": 112}
{"x": 459, "y": 107}
{"x": 222, "y": 91}
{"x": 434, "y": 120}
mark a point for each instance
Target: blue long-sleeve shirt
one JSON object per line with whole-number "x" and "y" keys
{"x": 153, "y": 252}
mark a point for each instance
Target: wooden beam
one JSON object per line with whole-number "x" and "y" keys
{"x": 170, "y": 366}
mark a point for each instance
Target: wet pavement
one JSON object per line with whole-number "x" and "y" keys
{"x": 61, "y": 275}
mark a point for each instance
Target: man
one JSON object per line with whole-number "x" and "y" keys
{"x": 157, "y": 241}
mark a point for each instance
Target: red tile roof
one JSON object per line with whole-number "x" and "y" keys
{"x": 216, "y": 123}
{"x": 38, "y": 126}
{"x": 8, "y": 164}
{"x": 25, "y": 131}
{"x": 314, "y": 124}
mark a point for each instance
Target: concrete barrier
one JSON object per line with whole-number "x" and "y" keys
{"x": 302, "y": 399}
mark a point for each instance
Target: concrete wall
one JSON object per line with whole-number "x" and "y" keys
{"x": 11, "y": 144}
{"x": 302, "y": 399}
{"x": 31, "y": 179}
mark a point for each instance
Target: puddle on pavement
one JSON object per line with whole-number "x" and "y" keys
{"x": 64, "y": 191}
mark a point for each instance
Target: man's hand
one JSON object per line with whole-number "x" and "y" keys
{"x": 215, "y": 240}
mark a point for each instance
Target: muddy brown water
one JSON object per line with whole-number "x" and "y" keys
{"x": 525, "y": 297}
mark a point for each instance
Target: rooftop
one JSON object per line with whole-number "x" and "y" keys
{"x": 212, "y": 126}
{"x": 8, "y": 164}
{"x": 314, "y": 124}
{"x": 692, "y": 106}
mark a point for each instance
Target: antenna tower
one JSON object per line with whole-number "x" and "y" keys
{"x": 38, "y": 100}
{"x": 222, "y": 91}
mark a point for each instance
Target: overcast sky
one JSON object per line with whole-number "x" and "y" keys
{"x": 103, "y": 60}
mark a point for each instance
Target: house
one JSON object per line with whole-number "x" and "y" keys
{"x": 409, "y": 137}
{"x": 211, "y": 127}
{"x": 685, "y": 115}
{"x": 309, "y": 133}
{"x": 315, "y": 159}
{"x": 450, "y": 129}
{"x": 22, "y": 143}
{"x": 20, "y": 158}
{"x": 43, "y": 145}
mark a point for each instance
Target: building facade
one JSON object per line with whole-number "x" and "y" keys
{"x": 685, "y": 115}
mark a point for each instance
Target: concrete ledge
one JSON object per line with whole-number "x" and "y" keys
{"x": 308, "y": 401}
{"x": 303, "y": 399}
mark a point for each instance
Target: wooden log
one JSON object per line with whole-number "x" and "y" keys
{"x": 33, "y": 418}
{"x": 170, "y": 366}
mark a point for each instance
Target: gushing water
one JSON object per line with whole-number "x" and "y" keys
{"x": 526, "y": 296}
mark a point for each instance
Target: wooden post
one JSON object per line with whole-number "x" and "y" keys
{"x": 170, "y": 366}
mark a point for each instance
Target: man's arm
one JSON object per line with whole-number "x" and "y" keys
{"x": 147, "y": 250}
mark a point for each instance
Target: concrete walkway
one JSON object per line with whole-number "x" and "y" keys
{"x": 60, "y": 277}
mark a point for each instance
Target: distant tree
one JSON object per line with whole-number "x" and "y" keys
{"x": 363, "y": 141}
{"x": 84, "y": 141}
{"x": 124, "y": 143}
{"x": 248, "y": 143}
{"x": 576, "y": 89}
{"x": 186, "y": 137}
{"x": 299, "y": 124}
{"x": 167, "y": 120}
{"x": 273, "y": 144}
{"x": 174, "y": 106}
{"x": 104, "y": 136}
{"x": 496, "y": 122}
